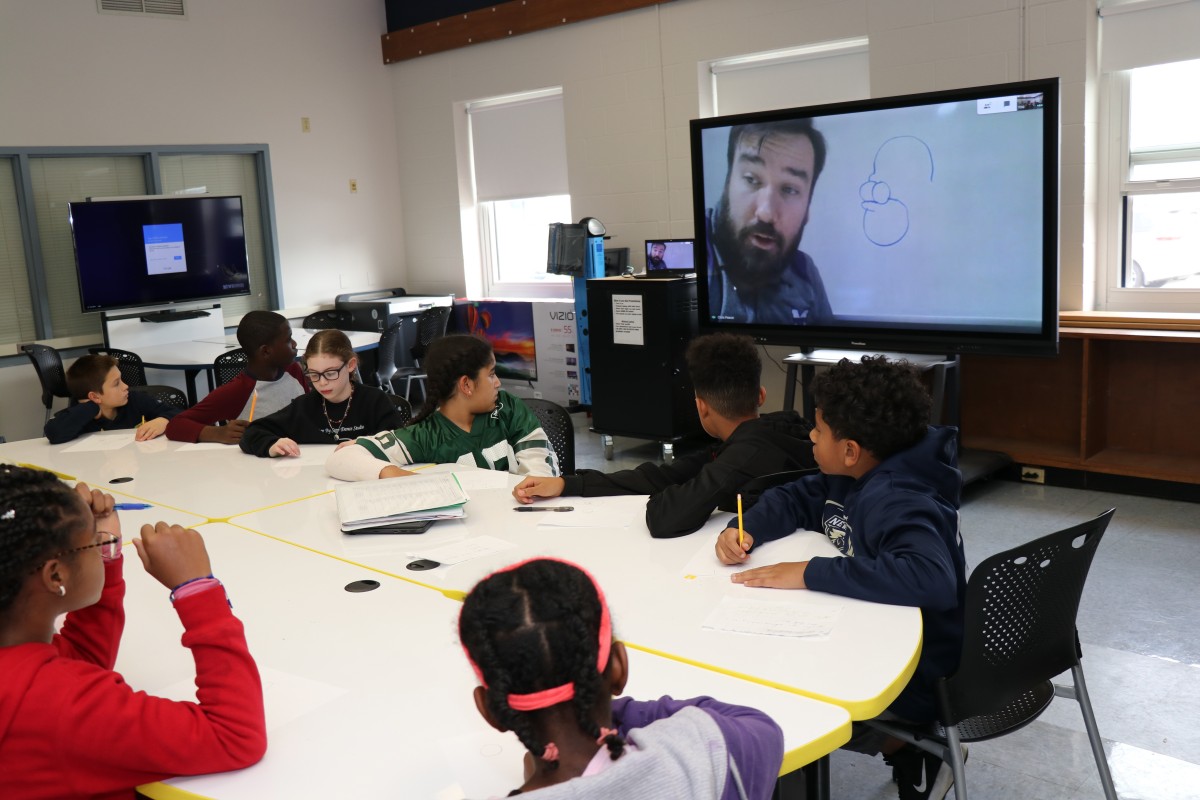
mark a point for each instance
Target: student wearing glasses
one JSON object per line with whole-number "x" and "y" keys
{"x": 69, "y": 725}
{"x": 339, "y": 410}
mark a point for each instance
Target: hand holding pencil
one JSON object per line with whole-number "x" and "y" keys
{"x": 733, "y": 546}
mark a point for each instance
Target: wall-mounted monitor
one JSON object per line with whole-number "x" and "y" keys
{"x": 926, "y": 223}
{"x": 159, "y": 250}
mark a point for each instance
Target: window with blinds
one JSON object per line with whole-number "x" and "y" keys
{"x": 518, "y": 158}
{"x": 16, "y": 312}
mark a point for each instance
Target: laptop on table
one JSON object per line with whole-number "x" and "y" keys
{"x": 669, "y": 258}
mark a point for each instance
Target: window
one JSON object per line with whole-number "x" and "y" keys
{"x": 40, "y": 297}
{"x": 518, "y": 162}
{"x": 1149, "y": 258}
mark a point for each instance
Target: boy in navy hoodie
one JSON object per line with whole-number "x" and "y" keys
{"x": 887, "y": 497}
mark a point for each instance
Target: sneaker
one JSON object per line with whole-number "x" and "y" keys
{"x": 921, "y": 775}
{"x": 943, "y": 778}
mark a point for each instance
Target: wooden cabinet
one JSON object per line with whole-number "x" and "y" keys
{"x": 1123, "y": 402}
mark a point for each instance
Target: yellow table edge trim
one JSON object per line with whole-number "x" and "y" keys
{"x": 815, "y": 750}
{"x": 60, "y": 475}
{"x": 165, "y": 791}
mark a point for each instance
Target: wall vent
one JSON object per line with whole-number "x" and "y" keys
{"x": 158, "y": 8}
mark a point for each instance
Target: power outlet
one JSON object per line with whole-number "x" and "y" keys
{"x": 1033, "y": 475}
{"x": 305, "y": 125}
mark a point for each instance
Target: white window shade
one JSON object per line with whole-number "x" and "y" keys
{"x": 813, "y": 78}
{"x": 519, "y": 148}
{"x": 1148, "y": 32}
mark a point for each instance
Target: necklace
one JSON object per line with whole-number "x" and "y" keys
{"x": 336, "y": 427}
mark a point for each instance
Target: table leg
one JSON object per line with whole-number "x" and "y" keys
{"x": 789, "y": 388}
{"x": 190, "y": 376}
{"x": 810, "y": 782}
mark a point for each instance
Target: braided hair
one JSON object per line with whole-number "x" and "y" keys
{"x": 37, "y": 517}
{"x": 448, "y": 359}
{"x": 531, "y": 628}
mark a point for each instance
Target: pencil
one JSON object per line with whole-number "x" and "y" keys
{"x": 253, "y": 403}
{"x": 741, "y": 530}
{"x": 143, "y": 420}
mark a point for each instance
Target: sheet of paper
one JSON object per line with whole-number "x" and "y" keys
{"x": 480, "y": 479}
{"x": 286, "y": 696}
{"x": 369, "y": 500}
{"x": 588, "y": 512}
{"x": 800, "y": 546}
{"x": 770, "y": 618}
{"x": 98, "y": 442}
{"x": 464, "y": 550}
{"x": 195, "y": 447}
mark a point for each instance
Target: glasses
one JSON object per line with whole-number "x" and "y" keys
{"x": 109, "y": 544}
{"x": 329, "y": 374}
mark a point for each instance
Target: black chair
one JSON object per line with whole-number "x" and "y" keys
{"x": 385, "y": 356}
{"x": 48, "y": 365}
{"x": 556, "y": 422}
{"x": 133, "y": 372}
{"x": 326, "y": 319}
{"x": 431, "y": 325}
{"x": 167, "y": 395}
{"x": 1020, "y": 632}
{"x": 753, "y": 489}
{"x": 403, "y": 406}
{"x": 228, "y": 366}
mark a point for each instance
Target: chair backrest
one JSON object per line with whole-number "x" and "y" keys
{"x": 167, "y": 395}
{"x": 431, "y": 325}
{"x": 229, "y": 365}
{"x": 1020, "y": 620}
{"x": 403, "y": 406}
{"x": 754, "y": 488}
{"x": 556, "y": 422}
{"x": 48, "y": 365}
{"x": 326, "y": 319}
{"x": 133, "y": 372}
{"x": 385, "y": 356}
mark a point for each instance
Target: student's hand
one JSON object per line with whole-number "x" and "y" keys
{"x": 101, "y": 505}
{"x": 728, "y": 549}
{"x": 346, "y": 443}
{"x": 538, "y": 486}
{"x": 229, "y": 433}
{"x": 150, "y": 429}
{"x": 172, "y": 554}
{"x": 788, "y": 575}
{"x": 284, "y": 447}
{"x": 391, "y": 471}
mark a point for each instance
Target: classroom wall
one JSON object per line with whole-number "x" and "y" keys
{"x": 232, "y": 72}
{"x": 631, "y": 84}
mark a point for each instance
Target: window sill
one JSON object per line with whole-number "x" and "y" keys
{"x": 1156, "y": 321}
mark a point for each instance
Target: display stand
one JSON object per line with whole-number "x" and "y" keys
{"x": 945, "y": 374}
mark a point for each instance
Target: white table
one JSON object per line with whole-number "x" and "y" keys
{"x": 369, "y": 694}
{"x": 862, "y": 665}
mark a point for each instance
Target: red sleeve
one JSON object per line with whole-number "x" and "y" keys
{"x": 114, "y": 738}
{"x": 297, "y": 372}
{"x": 221, "y": 404}
{"x": 93, "y": 634}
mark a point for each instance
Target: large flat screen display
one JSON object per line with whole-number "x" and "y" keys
{"x": 159, "y": 251}
{"x": 926, "y": 223}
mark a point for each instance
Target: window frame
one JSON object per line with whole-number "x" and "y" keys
{"x": 30, "y": 234}
{"x": 1113, "y": 247}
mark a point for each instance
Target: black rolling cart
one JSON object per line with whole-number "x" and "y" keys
{"x": 639, "y": 330}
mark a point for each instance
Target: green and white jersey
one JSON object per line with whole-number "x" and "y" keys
{"x": 509, "y": 439}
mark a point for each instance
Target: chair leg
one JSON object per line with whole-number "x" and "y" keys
{"x": 408, "y": 388}
{"x": 957, "y": 764}
{"x": 1080, "y": 694}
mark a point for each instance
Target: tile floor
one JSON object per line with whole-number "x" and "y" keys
{"x": 1139, "y": 625}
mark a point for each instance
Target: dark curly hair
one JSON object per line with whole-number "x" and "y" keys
{"x": 726, "y": 373}
{"x": 880, "y": 404}
{"x": 37, "y": 517}
{"x": 531, "y": 628}
{"x": 448, "y": 359}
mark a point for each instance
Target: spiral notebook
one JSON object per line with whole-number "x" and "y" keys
{"x": 372, "y": 504}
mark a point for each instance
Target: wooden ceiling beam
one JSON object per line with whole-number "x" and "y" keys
{"x": 501, "y": 21}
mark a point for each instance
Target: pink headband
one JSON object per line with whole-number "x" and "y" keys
{"x": 534, "y": 701}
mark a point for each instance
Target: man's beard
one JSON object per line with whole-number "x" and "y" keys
{"x": 749, "y": 267}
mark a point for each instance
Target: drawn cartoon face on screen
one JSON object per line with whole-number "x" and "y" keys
{"x": 901, "y": 163}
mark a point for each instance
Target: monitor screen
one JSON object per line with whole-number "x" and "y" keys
{"x": 926, "y": 223}
{"x": 670, "y": 254}
{"x": 159, "y": 251}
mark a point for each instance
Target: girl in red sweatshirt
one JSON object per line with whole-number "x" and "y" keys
{"x": 69, "y": 726}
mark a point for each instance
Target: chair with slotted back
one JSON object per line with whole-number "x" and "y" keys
{"x": 48, "y": 365}
{"x": 229, "y": 365}
{"x": 326, "y": 319}
{"x": 133, "y": 372}
{"x": 556, "y": 422}
{"x": 431, "y": 325}
{"x": 403, "y": 406}
{"x": 1020, "y": 633}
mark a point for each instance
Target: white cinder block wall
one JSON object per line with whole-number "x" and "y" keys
{"x": 631, "y": 83}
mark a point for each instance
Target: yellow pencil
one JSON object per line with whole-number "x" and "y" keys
{"x": 143, "y": 420}
{"x": 741, "y": 530}
{"x": 253, "y": 403}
